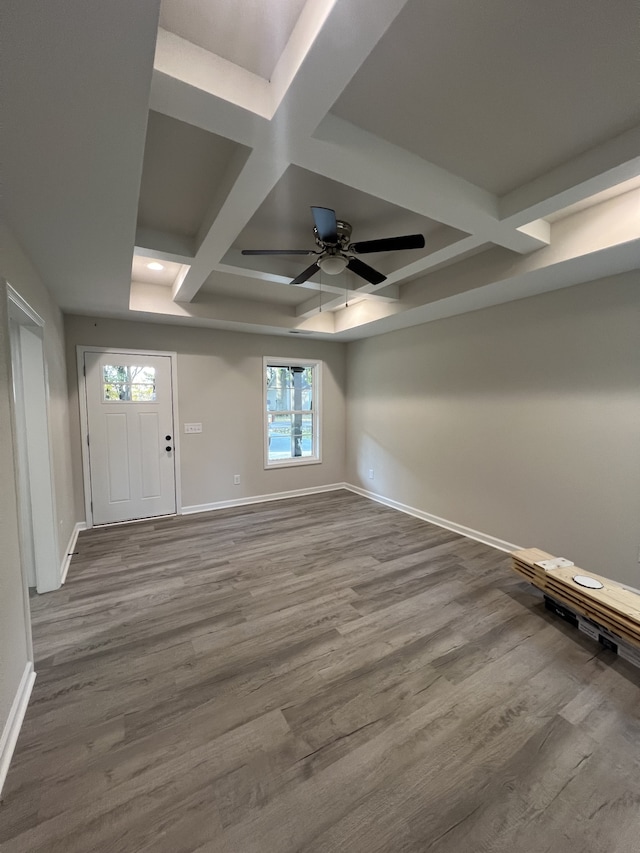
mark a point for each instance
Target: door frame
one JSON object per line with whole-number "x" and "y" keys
{"x": 43, "y": 550}
{"x": 84, "y": 421}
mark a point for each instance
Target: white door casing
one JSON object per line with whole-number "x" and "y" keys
{"x": 37, "y": 512}
{"x": 130, "y": 435}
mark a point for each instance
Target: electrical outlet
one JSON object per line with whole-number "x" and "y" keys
{"x": 191, "y": 428}
{"x": 236, "y": 479}
{"x": 371, "y": 473}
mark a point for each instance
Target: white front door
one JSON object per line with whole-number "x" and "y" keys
{"x": 131, "y": 435}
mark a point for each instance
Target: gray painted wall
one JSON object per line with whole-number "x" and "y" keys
{"x": 521, "y": 421}
{"x": 18, "y": 271}
{"x": 220, "y": 386}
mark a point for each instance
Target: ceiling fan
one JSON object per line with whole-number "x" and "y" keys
{"x": 336, "y": 253}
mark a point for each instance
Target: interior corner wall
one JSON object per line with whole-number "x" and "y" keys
{"x": 220, "y": 386}
{"x": 521, "y": 421}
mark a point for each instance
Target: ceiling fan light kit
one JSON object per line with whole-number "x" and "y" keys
{"x": 336, "y": 253}
{"x": 333, "y": 264}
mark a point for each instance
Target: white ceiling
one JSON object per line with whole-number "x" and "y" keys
{"x": 166, "y": 276}
{"x": 183, "y": 167}
{"x": 504, "y": 131}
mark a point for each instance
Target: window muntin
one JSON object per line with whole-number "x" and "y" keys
{"x": 291, "y": 401}
{"x": 126, "y": 383}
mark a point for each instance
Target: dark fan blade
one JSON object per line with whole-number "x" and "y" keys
{"x": 326, "y": 224}
{"x": 365, "y": 271}
{"x": 388, "y": 244}
{"x": 305, "y": 274}
{"x": 277, "y": 252}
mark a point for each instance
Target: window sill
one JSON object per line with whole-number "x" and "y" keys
{"x": 291, "y": 463}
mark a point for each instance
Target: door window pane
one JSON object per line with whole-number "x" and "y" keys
{"x": 128, "y": 383}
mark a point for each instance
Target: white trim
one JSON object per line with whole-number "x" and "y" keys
{"x": 14, "y": 721}
{"x": 19, "y": 302}
{"x": 177, "y": 475}
{"x": 34, "y": 480}
{"x": 258, "y": 499}
{"x": 84, "y": 431}
{"x": 468, "y": 532}
{"x": 66, "y": 560}
{"x": 84, "y": 422}
{"x": 316, "y": 412}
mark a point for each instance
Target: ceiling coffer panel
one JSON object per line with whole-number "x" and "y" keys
{"x": 284, "y": 221}
{"x": 502, "y": 91}
{"x": 183, "y": 168}
{"x": 251, "y": 34}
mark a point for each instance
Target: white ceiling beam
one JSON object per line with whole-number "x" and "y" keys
{"x": 308, "y": 26}
{"x": 164, "y": 245}
{"x": 445, "y": 255}
{"x": 350, "y": 325}
{"x": 611, "y": 226}
{"x": 322, "y": 302}
{"x": 598, "y": 169}
{"x": 223, "y": 190}
{"x": 248, "y": 266}
{"x": 173, "y": 96}
{"x": 350, "y": 32}
{"x": 199, "y": 68}
{"x": 391, "y": 293}
{"x": 328, "y": 299}
{"x": 309, "y": 95}
{"x": 360, "y": 159}
{"x": 154, "y": 300}
{"x": 258, "y": 177}
{"x": 288, "y": 121}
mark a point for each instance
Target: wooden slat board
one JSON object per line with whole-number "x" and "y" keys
{"x": 614, "y": 607}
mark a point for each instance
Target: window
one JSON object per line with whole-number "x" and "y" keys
{"x": 292, "y": 412}
{"x": 128, "y": 383}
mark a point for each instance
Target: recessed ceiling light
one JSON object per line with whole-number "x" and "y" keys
{"x": 154, "y": 265}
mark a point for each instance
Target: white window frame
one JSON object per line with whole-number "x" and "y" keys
{"x": 316, "y": 364}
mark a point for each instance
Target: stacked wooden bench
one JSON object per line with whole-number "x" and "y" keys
{"x": 610, "y": 614}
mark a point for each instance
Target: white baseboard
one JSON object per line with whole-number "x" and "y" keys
{"x": 258, "y": 499}
{"x": 492, "y": 541}
{"x": 66, "y": 560}
{"x": 477, "y": 535}
{"x": 14, "y": 722}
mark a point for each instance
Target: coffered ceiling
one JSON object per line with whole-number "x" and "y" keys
{"x": 506, "y": 132}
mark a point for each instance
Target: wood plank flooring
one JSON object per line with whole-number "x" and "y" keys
{"x": 320, "y": 674}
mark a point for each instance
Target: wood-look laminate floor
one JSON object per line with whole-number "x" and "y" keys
{"x": 321, "y": 674}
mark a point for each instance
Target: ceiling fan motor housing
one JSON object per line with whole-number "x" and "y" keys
{"x": 343, "y": 231}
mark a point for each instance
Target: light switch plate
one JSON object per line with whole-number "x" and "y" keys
{"x": 193, "y": 428}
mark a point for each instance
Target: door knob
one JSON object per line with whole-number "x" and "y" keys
{"x": 168, "y": 447}
{"x": 167, "y": 438}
